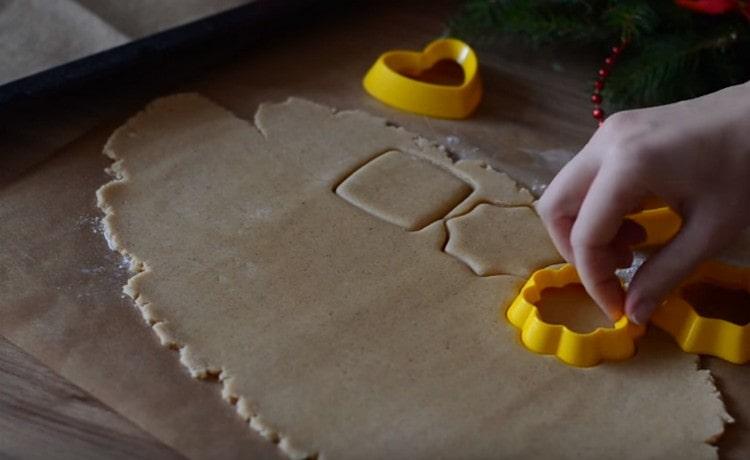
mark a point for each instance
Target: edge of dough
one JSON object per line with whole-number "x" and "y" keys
{"x": 475, "y": 172}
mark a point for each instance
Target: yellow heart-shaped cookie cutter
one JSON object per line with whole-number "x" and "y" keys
{"x": 388, "y": 80}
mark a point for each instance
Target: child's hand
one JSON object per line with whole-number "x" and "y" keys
{"x": 694, "y": 155}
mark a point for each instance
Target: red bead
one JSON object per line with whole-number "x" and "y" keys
{"x": 616, "y": 50}
{"x": 599, "y": 85}
{"x": 604, "y": 73}
{"x": 598, "y": 114}
{"x": 609, "y": 61}
{"x": 596, "y": 98}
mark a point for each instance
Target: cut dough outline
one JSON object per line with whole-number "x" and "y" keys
{"x": 456, "y": 239}
{"x": 348, "y": 192}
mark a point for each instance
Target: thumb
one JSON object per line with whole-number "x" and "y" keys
{"x": 701, "y": 235}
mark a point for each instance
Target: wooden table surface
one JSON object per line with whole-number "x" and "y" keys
{"x": 42, "y": 415}
{"x": 535, "y": 101}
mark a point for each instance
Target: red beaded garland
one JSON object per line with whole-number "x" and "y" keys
{"x": 603, "y": 73}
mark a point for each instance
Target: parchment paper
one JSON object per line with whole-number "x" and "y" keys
{"x": 527, "y": 107}
{"x": 66, "y": 289}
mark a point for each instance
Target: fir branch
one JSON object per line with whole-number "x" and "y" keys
{"x": 651, "y": 74}
{"x": 670, "y": 69}
{"x": 674, "y": 53}
{"x": 537, "y": 22}
{"x": 633, "y": 19}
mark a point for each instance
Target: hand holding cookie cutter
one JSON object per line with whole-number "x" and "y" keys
{"x": 693, "y": 332}
{"x": 676, "y": 316}
{"x": 574, "y": 348}
{"x": 603, "y": 344}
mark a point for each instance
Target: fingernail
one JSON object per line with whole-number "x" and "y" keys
{"x": 639, "y": 314}
{"x": 614, "y": 315}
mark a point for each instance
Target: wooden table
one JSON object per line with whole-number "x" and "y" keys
{"x": 535, "y": 101}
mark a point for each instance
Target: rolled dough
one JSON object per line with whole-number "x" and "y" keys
{"x": 301, "y": 262}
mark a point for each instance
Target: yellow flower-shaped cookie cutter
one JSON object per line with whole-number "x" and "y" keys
{"x": 676, "y": 316}
{"x": 698, "y": 334}
{"x": 388, "y": 80}
{"x": 578, "y": 349}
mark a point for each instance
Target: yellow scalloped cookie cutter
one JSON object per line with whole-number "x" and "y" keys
{"x": 603, "y": 344}
{"x": 698, "y": 334}
{"x": 388, "y": 80}
{"x": 676, "y": 316}
{"x": 578, "y": 349}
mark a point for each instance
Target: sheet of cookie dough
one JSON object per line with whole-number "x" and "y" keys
{"x": 300, "y": 260}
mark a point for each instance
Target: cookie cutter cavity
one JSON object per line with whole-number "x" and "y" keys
{"x": 698, "y": 334}
{"x": 574, "y": 348}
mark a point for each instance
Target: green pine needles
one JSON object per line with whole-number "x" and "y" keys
{"x": 672, "y": 54}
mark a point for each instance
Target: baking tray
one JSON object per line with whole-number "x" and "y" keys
{"x": 210, "y": 40}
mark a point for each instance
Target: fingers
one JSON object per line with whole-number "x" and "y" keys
{"x": 560, "y": 203}
{"x": 599, "y": 237}
{"x": 701, "y": 235}
{"x": 597, "y": 272}
{"x": 603, "y": 240}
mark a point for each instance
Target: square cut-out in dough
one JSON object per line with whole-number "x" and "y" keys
{"x": 404, "y": 190}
